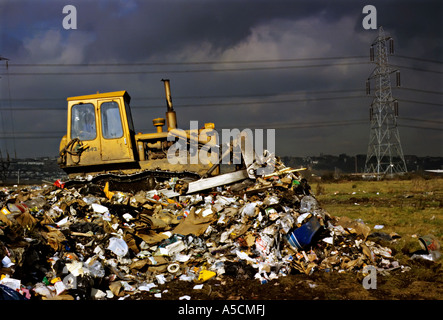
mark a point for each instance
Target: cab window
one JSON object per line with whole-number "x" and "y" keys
{"x": 129, "y": 116}
{"x": 111, "y": 120}
{"x": 83, "y": 122}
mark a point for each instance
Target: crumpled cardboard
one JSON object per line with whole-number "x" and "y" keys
{"x": 4, "y": 219}
{"x": 55, "y": 238}
{"x": 354, "y": 226}
{"x": 151, "y": 237}
{"x": 194, "y": 224}
{"x": 117, "y": 288}
{"x": 26, "y": 220}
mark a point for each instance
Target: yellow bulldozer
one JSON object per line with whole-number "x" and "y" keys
{"x": 101, "y": 146}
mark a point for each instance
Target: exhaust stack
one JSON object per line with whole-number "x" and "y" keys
{"x": 171, "y": 117}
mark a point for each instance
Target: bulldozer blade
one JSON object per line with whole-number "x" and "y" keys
{"x": 217, "y": 181}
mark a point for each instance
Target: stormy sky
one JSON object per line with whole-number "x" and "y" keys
{"x": 298, "y": 67}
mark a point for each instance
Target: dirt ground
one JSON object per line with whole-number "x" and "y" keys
{"x": 424, "y": 281}
{"x": 417, "y": 280}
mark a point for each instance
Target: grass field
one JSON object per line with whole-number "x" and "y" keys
{"x": 410, "y": 208}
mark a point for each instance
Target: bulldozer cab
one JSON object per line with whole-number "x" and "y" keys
{"x": 100, "y": 129}
{"x": 100, "y": 138}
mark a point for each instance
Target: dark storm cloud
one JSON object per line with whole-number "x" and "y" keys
{"x": 152, "y": 28}
{"x": 159, "y": 27}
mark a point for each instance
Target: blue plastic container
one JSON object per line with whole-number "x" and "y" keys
{"x": 302, "y": 237}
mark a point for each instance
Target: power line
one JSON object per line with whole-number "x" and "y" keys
{"x": 253, "y": 126}
{"x": 181, "y": 71}
{"x": 316, "y": 124}
{"x": 170, "y": 63}
{"x": 419, "y": 127}
{"x": 205, "y": 105}
{"x": 416, "y": 69}
{"x": 263, "y": 95}
{"x": 422, "y": 120}
{"x": 37, "y": 135}
{"x": 159, "y": 63}
{"x": 418, "y": 59}
{"x": 235, "y": 103}
{"x": 33, "y": 109}
{"x": 30, "y": 137}
{"x": 84, "y": 73}
{"x": 40, "y": 99}
{"x": 298, "y": 125}
{"x": 420, "y": 90}
{"x": 230, "y": 103}
{"x": 304, "y": 124}
{"x": 187, "y": 63}
{"x": 420, "y": 102}
{"x": 212, "y": 96}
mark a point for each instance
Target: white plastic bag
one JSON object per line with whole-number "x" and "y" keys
{"x": 118, "y": 246}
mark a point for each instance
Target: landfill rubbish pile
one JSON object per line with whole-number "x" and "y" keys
{"x": 95, "y": 243}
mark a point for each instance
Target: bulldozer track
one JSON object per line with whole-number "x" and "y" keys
{"x": 145, "y": 180}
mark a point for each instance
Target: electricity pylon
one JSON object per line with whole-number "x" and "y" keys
{"x": 385, "y": 154}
